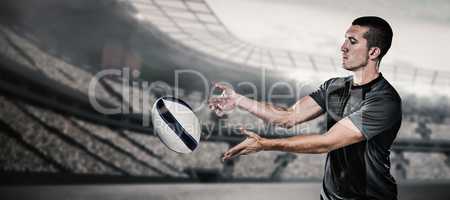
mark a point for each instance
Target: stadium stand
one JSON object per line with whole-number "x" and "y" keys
{"x": 41, "y": 138}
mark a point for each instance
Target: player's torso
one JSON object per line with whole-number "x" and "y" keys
{"x": 349, "y": 170}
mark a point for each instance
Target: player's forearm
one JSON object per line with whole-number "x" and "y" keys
{"x": 266, "y": 112}
{"x": 306, "y": 109}
{"x": 315, "y": 144}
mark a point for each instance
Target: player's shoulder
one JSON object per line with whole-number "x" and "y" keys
{"x": 338, "y": 81}
{"x": 383, "y": 90}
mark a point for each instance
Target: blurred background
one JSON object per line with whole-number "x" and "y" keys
{"x": 54, "y": 143}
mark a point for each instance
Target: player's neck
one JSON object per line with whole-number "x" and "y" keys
{"x": 365, "y": 74}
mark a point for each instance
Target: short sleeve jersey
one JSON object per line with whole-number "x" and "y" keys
{"x": 361, "y": 170}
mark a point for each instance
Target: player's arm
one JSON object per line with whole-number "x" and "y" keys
{"x": 303, "y": 110}
{"x": 342, "y": 134}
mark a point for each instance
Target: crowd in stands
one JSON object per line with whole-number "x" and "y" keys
{"x": 34, "y": 139}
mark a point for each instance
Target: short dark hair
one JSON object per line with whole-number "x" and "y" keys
{"x": 379, "y": 33}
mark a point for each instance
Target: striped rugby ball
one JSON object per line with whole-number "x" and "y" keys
{"x": 176, "y": 124}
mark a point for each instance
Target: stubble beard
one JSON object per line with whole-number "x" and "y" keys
{"x": 357, "y": 67}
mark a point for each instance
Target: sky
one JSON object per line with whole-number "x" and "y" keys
{"x": 421, "y": 28}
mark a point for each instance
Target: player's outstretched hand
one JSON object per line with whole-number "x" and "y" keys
{"x": 225, "y": 102}
{"x": 251, "y": 144}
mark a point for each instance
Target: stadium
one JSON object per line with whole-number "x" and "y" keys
{"x": 62, "y": 60}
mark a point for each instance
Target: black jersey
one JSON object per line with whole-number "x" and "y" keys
{"x": 361, "y": 170}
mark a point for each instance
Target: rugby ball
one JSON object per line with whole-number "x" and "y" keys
{"x": 176, "y": 124}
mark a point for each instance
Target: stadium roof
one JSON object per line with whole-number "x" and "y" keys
{"x": 194, "y": 24}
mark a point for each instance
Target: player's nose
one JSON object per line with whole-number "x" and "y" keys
{"x": 344, "y": 47}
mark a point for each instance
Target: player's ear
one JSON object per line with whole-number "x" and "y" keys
{"x": 374, "y": 52}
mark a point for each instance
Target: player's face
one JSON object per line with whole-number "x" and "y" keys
{"x": 354, "y": 50}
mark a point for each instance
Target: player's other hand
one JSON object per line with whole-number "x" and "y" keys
{"x": 225, "y": 102}
{"x": 252, "y": 144}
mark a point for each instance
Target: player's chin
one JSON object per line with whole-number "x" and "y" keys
{"x": 346, "y": 66}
